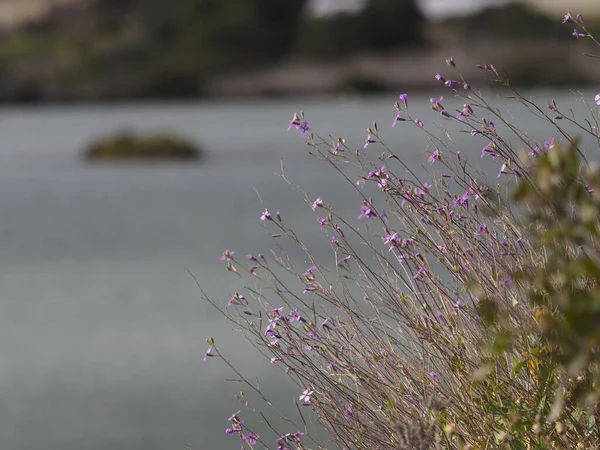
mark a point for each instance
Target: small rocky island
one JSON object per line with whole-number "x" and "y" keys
{"x": 130, "y": 147}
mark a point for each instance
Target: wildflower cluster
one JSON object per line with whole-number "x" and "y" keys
{"x": 450, "y": 315}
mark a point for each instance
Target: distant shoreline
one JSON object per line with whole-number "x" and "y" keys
{"x": 529, "y": 64}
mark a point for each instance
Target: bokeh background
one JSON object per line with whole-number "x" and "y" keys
{"x": 101, "y": 326}
{"x": 100, "y": 50}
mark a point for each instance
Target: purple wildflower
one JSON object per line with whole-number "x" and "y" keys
{"x": 370, "y": 139}
{"x": 303, "y": 127}
{"x": 310, "y": 273}
{"x": 365, "y": 211}
{"x": 300, "y": 124}
{"x": 406, "y": 242}
{"x": 435, "y": 156}
{"x": 465, "y": 112}
{"x": 289, "y": 437}
{"x": 270, "y": 329}
{"x": 318, "y": 203}
{"x": 208, "y": 354}
{"x": 463, "y": 200}
{"x": 419, "y": 122}
{"x": 397, "y": 119}
{"x": 391, "y": 240}
{"x": 502, "y": 171}
{"x": 306, "y": 397}
{"x": 578, "y": 34}
{"x": 293, "y": 122}
{"x": 404, "y": 99}
{"x": 436, "y": 104}
{"x": 236, "y": 299}
{"x": 597, "y": 99}
{"x": 349, "y": 412}
{"x": 482, "y": 229}
{"x": 266, "y": 215}
{"x": 434, "y": 376}
{"x": 276, "y": 312}
{"x": 440, "y": 78}
{"x": 322, "y": 222}
{"x": 251, "y": 438}
{"x": 489, "y": 149}
{"x": 234, "y": 417}
{"x": 568, "y": 18}
{"x": 344, "y": 260}
{"x": 298, "y": 436}
{"x": 227, "y": 255}
{"x": 450, "y": 62}
{"x": 295, "y": 315}
{"x": 337, "y": 149}
{"x": 420, "y": 273}
{"x": 325, "y": 326}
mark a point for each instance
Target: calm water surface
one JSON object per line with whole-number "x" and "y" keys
{"x": 101, "y": 327}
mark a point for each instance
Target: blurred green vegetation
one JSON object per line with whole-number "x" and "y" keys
{"x": 128, "y": 146}
{"x": 381, "y": 25}
{"x": 515, "y": 20}
{"x": 115, "y": 49}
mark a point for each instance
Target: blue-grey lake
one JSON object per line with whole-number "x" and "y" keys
{"x": 102, "y": 329}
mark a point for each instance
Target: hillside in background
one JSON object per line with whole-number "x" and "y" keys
{"x": 71, "y": 50}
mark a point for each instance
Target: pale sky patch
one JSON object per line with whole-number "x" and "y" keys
{"x": 432, "y": 8}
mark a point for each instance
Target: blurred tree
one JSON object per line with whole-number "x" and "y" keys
{"x": 160, "y": 19}
{"x": 333, "y": 36}
{"x": 222, "y": 34}
{"x": 391, "y": 23}
{"x": 511, "y": 20}
{"x": 116, "y": 3}
{"x": 381, "y": 25}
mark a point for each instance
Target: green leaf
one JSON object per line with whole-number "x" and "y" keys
{"x": 519, "y": 366}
